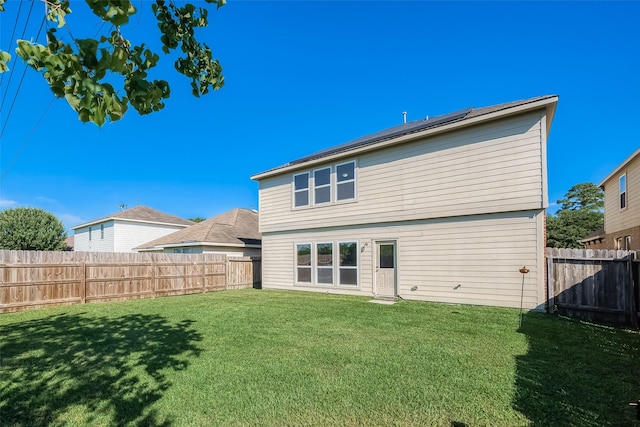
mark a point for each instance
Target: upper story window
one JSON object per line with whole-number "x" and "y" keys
{"x": 322, "y": 186}
{"x": 623, "y": 191}
{"x": 301, "y": 189}
{"x": 89, "y": 233}
{"x": 346, "y": 181}
{"x": 102, "y": 231}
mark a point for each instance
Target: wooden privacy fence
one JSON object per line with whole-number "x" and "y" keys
{"x": 31, "y": 279}
{"x": 595, "y": 285}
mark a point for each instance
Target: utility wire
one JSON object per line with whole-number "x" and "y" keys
{"x": 24, "y": 30}
{"x": 15, "y": 97}
{"x": 13, "y": 33}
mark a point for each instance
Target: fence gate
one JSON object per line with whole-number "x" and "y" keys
{"x": 595, "y": 285}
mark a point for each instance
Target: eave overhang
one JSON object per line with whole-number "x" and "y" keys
{"x": 547, "y": 103}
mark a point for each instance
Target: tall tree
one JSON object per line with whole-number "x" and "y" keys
{"x": 31, "y": 229}
{"x": 583, "y": 196}
{"x": 580, "y": 214}
{"x": 83, "y": 71}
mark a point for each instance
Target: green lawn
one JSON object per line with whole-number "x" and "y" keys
{"x": 265, "y": 358}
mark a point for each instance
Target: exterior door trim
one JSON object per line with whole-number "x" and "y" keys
{"x": 386, "y": 283}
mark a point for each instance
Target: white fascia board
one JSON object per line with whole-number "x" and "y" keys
{"x": 620, "y": 167}
{"x": 141, "y": 221}
{"x": 548, "y": 103}
{"x": 89, "y": 224}
{"x": 189, "y": 244}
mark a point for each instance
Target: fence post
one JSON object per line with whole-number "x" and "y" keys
{"x": 153, "y": 278}
{"x": 204, "y": 276}
{"x": 84, "y": 282}
{"x": 550, "y": 288}
{"x": 633, "y": 315}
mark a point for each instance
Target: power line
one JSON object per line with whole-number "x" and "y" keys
{"x": 15, "y": 97}
{"x": 13, "y": 33}
{"x": 24, "y": 30}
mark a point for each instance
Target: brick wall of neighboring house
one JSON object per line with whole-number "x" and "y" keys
{"x": 618, "y": 240}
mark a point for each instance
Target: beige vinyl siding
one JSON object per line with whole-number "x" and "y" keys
{"x": 482, "y": 254}
{"x": 616, "y": 219}
{"x": 488, "y": 168}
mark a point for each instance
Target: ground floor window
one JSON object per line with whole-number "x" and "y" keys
{"x": 314, "y": 263}
{"x": 324, "y": 263}
{"x": 348, "y": 264}
{"x": 303, "y": 263}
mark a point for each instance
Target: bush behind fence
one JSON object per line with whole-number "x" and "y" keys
{"x": 32, "y": 279}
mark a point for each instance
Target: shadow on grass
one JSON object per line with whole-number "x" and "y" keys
{"x": 75, "y": 369}
{"x": 577, "y": 373}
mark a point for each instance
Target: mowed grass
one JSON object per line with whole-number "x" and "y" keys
{"x": 269, "y": 358}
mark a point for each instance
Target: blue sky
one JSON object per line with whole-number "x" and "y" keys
{"x": 302, "y": 76}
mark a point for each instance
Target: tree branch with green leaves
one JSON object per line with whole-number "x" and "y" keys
{"x": 83, "y": 70}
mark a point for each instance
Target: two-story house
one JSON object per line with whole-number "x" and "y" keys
{"x": 122, "y": 231}
{"x": 621, "y": 208}
{"x": 445, "y": 209}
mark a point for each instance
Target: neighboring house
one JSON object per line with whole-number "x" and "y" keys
{"x": 234, "y": 233}
{"x": 621, "y": 208}
{"x": 69, "y": 242}
{"x": 124, "y": 230}
{"x": 445, "y": 209}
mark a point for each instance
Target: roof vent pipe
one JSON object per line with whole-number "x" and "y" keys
{"x": 404, "y": 117}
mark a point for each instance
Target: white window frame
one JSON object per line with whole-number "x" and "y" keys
{"x": 354, "y": 180}
{"x": 323, "y": 267}
{"x": 623, "y": 199}
{"x": 307, "y": 190}
{"x": 329, "y": 186}
{"x": 356, "y": 268}
{"x": 310, "y": 266}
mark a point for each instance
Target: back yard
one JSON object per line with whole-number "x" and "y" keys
{"x": 264, "y": 358}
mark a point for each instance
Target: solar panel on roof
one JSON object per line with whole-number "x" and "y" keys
{"x": 403, "y": 129}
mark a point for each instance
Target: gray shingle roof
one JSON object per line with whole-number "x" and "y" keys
{"x": 236, "y": 227}
{"x": 409, "y": 128}
{"x": 141, "y": 213}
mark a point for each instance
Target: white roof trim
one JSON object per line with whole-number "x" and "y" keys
{"x": 114, "y": 219}
{"x": 620, "y": 167}
{"x": 548, "y": 103}
{"x": 191, "y": 244}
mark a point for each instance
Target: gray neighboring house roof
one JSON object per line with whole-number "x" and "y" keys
{"x": 237, "y": 227}
{"x": 140, "y": 214}
{"x": 599, "y": 235}
{"x": 458, "y": 117}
